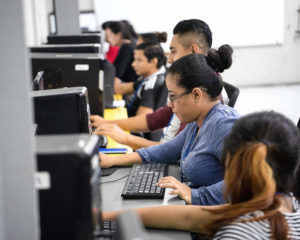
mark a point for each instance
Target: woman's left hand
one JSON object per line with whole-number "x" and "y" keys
{"x": 179, "y": 188}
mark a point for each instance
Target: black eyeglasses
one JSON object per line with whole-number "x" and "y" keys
{"x": 173, "y": 98}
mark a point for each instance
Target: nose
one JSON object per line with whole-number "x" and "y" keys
{"x": 170, "y": 104}
{"x": 170, "y": 59}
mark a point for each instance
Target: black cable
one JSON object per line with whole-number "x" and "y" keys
{"x": 115, "y": 180}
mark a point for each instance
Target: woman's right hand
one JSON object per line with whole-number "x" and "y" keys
{"x": 114, "y": 131}
{"x": 105, "y": 161}
{"x": 97, "y": 120}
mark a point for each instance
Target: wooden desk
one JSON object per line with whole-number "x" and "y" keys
{"x": 112, "y": 114}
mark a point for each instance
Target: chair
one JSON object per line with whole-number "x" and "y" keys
{"x": 232, "y": 92}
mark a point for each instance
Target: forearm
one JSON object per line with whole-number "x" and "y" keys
{"x": 133, "y": 124}
{"x": 187, "y": 218}
{"x": 123, "y": 88}
{"x": 136, "y": 142}
{"x": 119, "y": 160}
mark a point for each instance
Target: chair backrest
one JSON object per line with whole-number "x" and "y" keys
{"x": 232, "y": 92}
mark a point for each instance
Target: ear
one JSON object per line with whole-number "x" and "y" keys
{"x": 195, "y": 48}
{"x": 197, "y": 94}
{"x": 154, "y": 61}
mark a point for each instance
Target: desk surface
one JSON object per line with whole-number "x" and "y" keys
{"x": 112, "y": 200}
{"x": 112, "y": 114}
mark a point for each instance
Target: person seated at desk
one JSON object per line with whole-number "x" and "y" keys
{"x": 119, "y": 34}
{"x": 260, "y": 157}
{"x": 149, "y": 92}
{"x": 193, "y": 87}
{"x": 190, "y": 36}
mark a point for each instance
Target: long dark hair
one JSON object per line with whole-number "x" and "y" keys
{"x": 260, "y": 157}
{"x": 196, "y": 70}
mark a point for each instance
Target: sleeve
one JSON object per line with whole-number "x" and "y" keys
{"x": 169, "y": 152}
{"x": 221, "y": 130}
{"x": 160, "y": 118}
{"x": 124, "y": 58}
{"x": 148, "y": 98}
{"x": 209, "y": 195}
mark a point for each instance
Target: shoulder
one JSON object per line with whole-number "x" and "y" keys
{"x": 155, "y": 80}
{"x": 245, "y": 230}
{"x": 223, "y": 114}
{"x": 129, "y": 46}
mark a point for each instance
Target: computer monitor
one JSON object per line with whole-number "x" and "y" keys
{"x": 62, "y": 111}
{"x": 72, "y": 70}
{"x": 68, "y": 179}
{"x": 76, "y": 39}
{"x": 67, "y": 48}
{"x": 87, "y": 21}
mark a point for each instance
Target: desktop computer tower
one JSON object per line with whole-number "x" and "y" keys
{"x": 62, "y": 111}
{"x": 77, "y": 69}
{"x": 69, "y": 186}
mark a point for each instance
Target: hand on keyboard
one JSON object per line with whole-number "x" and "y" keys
{"x": 182, "y": 190}
{"x": 142, "y": 180}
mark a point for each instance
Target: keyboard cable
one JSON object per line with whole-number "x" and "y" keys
{"x": 115, "y": 180}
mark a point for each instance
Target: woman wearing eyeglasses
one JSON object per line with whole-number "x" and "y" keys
{"x": 194, "y": 85}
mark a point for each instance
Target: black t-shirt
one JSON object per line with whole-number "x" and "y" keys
{"x": 123, "y": 62}
{"x": 151, "y": 93}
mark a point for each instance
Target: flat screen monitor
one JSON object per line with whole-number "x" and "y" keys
{"x": 75, "y": 39}
{"x": 72, "y": 70}
{"x": 87, "y": 21}
{"x": 62, "y": 111}
{"x": 67, "y": 48}
{"x": 68, "y": 179}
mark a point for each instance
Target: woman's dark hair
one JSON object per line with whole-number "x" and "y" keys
{"x": 123, "y": 27}
{"x": 154, "y": 37}
{"x": 261, "y": 156}
{"x": 196, "y": 70}
{"x": 153, "y": 50}
{"x": 129, "y": 29}
{"x": 105, "y": 25}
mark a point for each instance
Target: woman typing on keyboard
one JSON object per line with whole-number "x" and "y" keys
{"x": 194, "y": 84}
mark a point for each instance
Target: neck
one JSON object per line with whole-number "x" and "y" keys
{"x": 151, "y": 72}
{"x": 205, "y": 111}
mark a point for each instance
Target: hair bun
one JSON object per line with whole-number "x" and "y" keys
{"x": 220, "y": 59}
{"x": 162, "y": 37}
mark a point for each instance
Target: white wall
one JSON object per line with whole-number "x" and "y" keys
{"x": 270, "y": 64}
{"x": 260, "y": 64}
{"x": 273, "y": 64}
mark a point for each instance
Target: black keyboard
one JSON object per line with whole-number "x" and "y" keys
{"x": 142, "y": 179}
{"x": 109, "y": 226}
{"x": 107, "y": 232}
